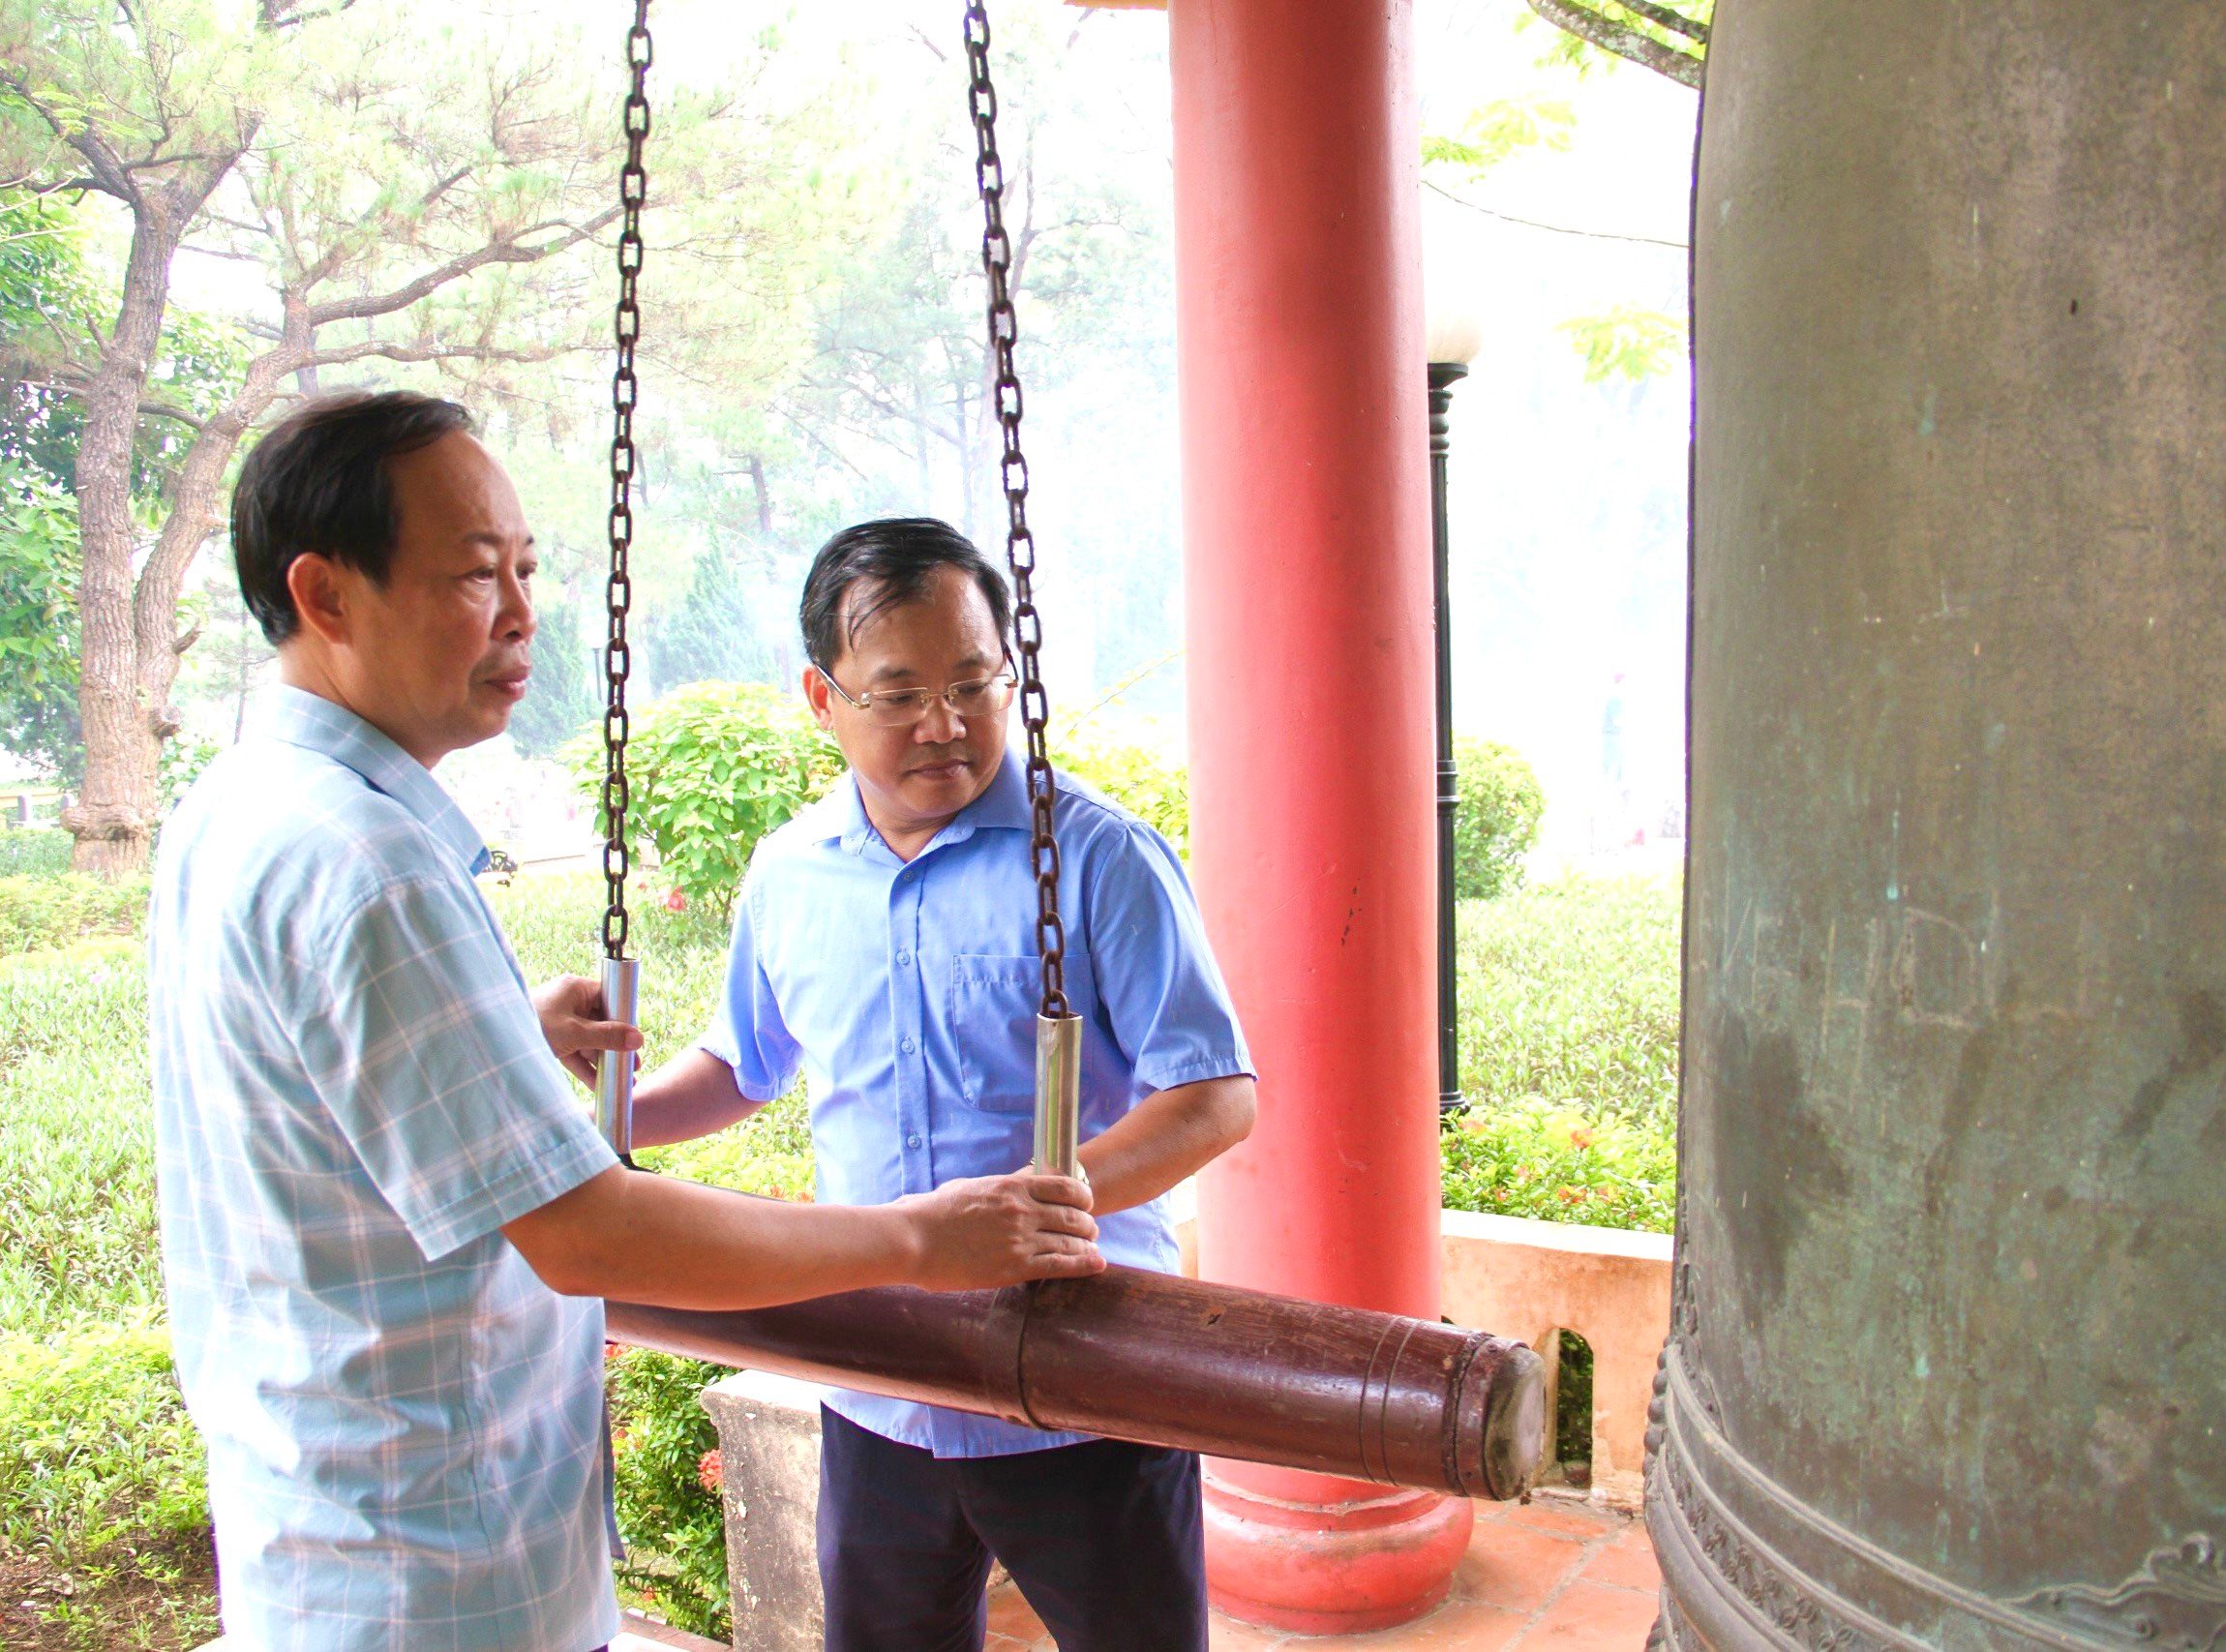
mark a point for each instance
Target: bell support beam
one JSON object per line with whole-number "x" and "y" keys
{"x": 1307, "y": 570}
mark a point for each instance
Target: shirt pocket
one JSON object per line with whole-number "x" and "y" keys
{"x": 994, "y": 998}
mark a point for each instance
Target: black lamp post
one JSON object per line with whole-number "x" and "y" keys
{"x": 1443, "y": 375}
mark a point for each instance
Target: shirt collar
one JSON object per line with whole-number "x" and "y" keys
{"x": 1002, "y": 806}
{"x": 317, "y": 724}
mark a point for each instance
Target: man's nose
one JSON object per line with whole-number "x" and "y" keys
{"x": 517, "y": 620}
{"x": 940, "y": 726}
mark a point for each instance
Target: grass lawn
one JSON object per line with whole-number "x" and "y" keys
{"x": 1569, "y": 1051}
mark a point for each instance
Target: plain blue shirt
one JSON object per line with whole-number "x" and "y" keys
{"x": 907, "y": 994}
{"x": 353, "y": 1095}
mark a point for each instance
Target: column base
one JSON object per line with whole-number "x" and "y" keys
{"x": 1336, "y": 1568}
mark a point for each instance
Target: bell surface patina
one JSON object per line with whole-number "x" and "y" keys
{"x": 1948, "y": 1358}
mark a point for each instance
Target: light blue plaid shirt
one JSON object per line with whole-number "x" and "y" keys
{"x": 351, "y": 1097}
{"x": 907, "y": 994}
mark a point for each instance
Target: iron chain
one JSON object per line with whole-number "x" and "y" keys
{"x": 1019, "y": 543}
{"x": 626, "y": 392}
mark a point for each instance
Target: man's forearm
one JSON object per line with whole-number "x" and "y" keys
{"x": 1164, "y": 1138}
{"x": 693, "y": 1094}
{"x": 670, "y": 1243}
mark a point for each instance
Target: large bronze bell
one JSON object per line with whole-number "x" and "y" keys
{"x": 1948, "y": 1360}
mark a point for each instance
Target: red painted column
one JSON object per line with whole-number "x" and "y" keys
{"x": 1308, "y": 562}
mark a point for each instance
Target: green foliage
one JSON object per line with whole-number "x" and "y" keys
{"x": 1569, "y": 997}
{"x": 39, "y": 619}
{"x": 1136, "y": 774}
{"x": 1562, "y": 1164}
{"x": 1630, "y": 342}
{"x": 55, "y": 300}
{"x": 1496, "y": 131}
{"x": 1497, "y": 825}
{"x": 39, "y": 852}
{"x": 180, "y": 763}
{"x": 713, "y": 767}
{"x": 38, "y": 911}
{"x": 49, "y": 296}
{"x": 95, "y": 1450}
{"x": 669, "y": 1510}
{"x": 1573, "y": 1405}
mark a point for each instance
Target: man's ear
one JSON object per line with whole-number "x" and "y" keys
{"x": 817, "y": 695}
{"x": 317, "y": 585}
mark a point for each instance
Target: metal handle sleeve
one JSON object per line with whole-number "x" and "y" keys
{"x": 614, "y": 1068}
{"x": 1058, "y": 1093}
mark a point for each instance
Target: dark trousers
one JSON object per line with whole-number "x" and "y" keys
{"x": 1105, "y": 1540}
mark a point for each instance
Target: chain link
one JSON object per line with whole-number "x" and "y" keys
{"x": 625, "y": 391}
{"x": 1019, "y": 543}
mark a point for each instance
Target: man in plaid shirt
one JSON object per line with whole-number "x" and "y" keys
{"x": 386, "y": 1220}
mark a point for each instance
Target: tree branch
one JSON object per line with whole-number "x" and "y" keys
{"x": 1556, "y": 228}
{"x": 425, "y": 349}
{"x": 1623, "y": 40}
{"x": 277, "y": 15}
{"x": 506, "y": 250}
{"x": 1676, "y": 22}
{"x": 68, "y": 379}
{"x": 109, "y": 174}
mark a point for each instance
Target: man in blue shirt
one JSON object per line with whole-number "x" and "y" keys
{"x": 885, "y": 946}
{"x": 385, "y": 1216}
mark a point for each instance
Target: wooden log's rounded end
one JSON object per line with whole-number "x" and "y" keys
{"x": 1504, "y": 1402}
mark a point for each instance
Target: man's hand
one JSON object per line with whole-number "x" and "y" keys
{"x": 572, "y": 1020}
{"x": 998, "y": 1230}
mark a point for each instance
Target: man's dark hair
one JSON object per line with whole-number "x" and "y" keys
{"x": 319, "y": 482}
{"x": 891, "y": 559}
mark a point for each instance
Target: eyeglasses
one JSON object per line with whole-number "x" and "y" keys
{"x": 901, "y": 707}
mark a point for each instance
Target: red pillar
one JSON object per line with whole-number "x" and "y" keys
{"x": 1308, "y": 554}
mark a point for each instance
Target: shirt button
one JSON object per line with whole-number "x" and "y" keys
{"x": 912, "y": 1141}
{"x": 907, "y": 1047}
{"x": 903, "y": 877}
{"x": 902, "y": 959}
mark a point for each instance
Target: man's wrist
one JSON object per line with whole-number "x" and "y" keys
{"x": 907, "y": 1235}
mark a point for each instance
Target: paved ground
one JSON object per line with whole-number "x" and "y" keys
{"x": 1553, "y": 1576}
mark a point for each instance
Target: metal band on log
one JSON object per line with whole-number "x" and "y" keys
{"x": 1167, "y": 1362}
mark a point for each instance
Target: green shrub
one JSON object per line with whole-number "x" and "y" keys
{"x": 1559, "y": 1164}
{"x": 39, "y": 852}
{"x": 49, "y": 911}
{"x": 1568, "y": 994}
{"x": 1136, "y": 774}
{"x": 712, "y": 768}
{"x": 96, "y": 1451}
{"x": 1497, "y": 823}
{"x": 665, "y": 1450}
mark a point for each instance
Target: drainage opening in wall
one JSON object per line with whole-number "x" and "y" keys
{"x": 1570, "y": 1367}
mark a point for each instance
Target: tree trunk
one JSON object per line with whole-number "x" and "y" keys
{"x": 114, "y": 818}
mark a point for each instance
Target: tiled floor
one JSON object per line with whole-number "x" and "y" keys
{"x": 1551, "y": 1576}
